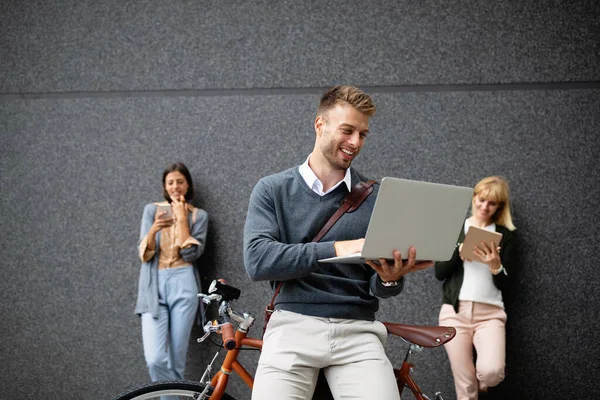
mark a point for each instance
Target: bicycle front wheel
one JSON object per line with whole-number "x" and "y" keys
{"x": 183, "y": 389}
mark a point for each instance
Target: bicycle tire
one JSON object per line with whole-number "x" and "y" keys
{"x": 154, "y": 390}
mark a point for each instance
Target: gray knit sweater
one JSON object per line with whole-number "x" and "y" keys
{"x": 284, "y": 215}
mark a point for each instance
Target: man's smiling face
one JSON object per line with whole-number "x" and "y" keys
{"x": 341, "y": 133}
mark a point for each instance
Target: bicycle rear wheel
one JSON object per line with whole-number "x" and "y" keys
{"x": 183, "y": 389}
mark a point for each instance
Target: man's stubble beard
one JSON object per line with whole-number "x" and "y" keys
{"x": 329, "y": 151}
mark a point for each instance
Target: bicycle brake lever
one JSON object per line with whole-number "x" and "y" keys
{"x": 227, "y": 332}
{"x": 203, "y": 338}
{"x": 209, "y": 298}
{"x": 208, "y": 328}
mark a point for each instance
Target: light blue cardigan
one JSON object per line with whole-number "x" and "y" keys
{"x": 147, "y": 301}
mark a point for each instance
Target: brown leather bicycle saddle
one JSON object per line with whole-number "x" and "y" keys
{"x": 426, "y": 336}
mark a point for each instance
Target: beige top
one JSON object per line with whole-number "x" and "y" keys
{"x": 168, "y": 256}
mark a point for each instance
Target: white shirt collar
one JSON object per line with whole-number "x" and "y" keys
{"x": 315, "y": 184}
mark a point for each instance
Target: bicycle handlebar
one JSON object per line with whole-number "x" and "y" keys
{"x": 222, "y": 293}
{"x": 228, "y": 336}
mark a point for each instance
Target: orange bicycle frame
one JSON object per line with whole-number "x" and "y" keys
{"x": 231, "y": 364}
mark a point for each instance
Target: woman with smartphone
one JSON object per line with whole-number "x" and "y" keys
{"x": 472, "y": 292}
{"x": 172, "y": 236}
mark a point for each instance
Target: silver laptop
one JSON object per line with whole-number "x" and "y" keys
{"x": 408, "y": 213}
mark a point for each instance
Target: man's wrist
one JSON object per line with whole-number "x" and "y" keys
{"x": 390, "y": 283}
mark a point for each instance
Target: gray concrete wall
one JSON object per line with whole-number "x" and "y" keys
{"x": 97, "y": 97}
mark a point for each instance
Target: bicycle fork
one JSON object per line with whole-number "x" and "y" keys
{"x": 405, "y": 379}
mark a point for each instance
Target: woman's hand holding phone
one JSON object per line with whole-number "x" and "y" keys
{"x": 163, "y": 218}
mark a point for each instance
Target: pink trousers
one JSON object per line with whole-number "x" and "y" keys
{"x": 481, "y": 326}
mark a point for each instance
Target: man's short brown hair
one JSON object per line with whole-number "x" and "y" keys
{"x": 346, "y": 94}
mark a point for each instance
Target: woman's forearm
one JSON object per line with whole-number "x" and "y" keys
{"x": 183, "y": 230}
{"x": 151, "y": 239}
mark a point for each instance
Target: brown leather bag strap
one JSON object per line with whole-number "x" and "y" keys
{"x": 271, "y": 305}
{"x": 351, "y": 202}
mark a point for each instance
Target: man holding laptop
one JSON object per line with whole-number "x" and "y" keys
{"x": 325, "y": 312}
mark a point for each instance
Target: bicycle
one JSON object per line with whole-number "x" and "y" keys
{"x": 213, "y": 388}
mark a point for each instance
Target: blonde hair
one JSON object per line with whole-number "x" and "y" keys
{"x": 495, "y": 188}
{"x": 346, "y": 95}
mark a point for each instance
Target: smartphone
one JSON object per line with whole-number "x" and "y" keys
{"x": 163, "y": 208}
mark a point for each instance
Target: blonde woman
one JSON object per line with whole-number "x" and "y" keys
{"x": 472, "y": 293}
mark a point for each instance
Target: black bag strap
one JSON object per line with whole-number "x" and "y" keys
{"x": 351, "y": 202}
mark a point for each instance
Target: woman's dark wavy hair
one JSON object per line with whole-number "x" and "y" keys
{"x": 179, "y": 167}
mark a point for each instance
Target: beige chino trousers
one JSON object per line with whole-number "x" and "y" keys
{"x": 350, "y": 351}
